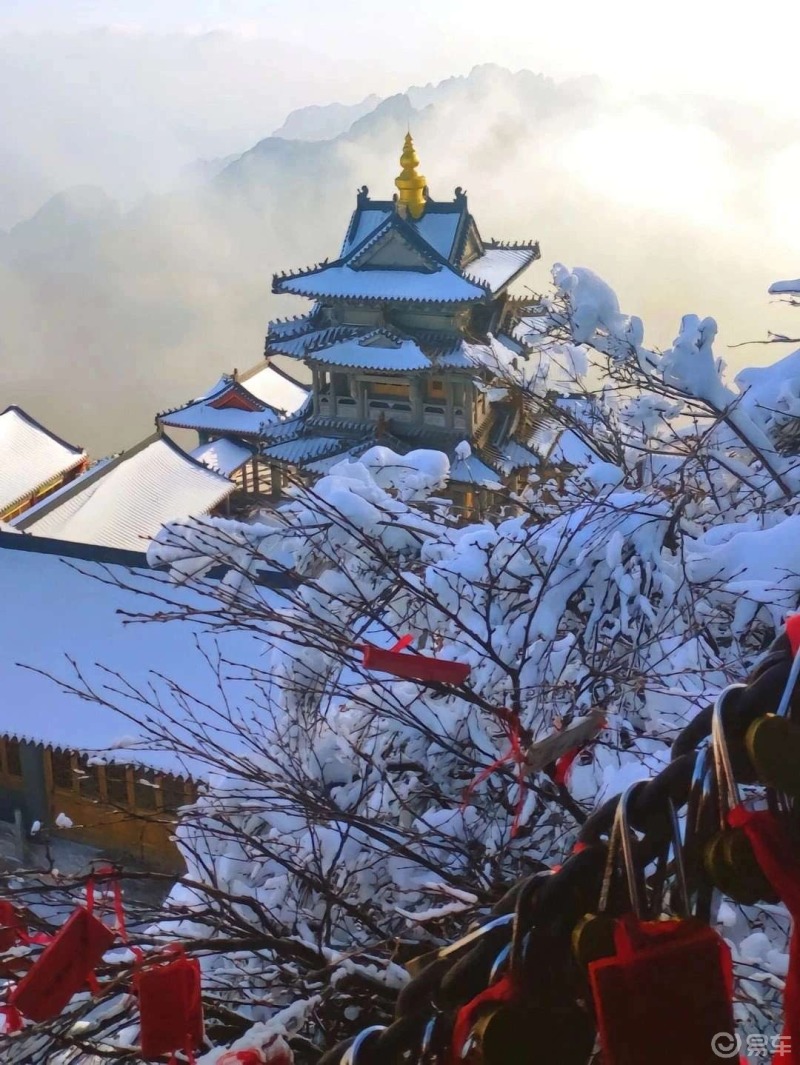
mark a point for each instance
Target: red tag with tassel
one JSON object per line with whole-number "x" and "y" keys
{"x": 664, "y": 995}
{"x": 170, "y": 1006}
{"x": 780, "y": 863}
{"x": 63, "y": 968}
{"x": 10, "y": 926}
{"x": 414, "y": 666}
{"x": 69, "y": 959}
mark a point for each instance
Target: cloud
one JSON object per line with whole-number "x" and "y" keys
{"x": 109, "y": 315}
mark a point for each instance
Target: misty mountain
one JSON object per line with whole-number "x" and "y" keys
{"x": 108, "y": 315}
{"x": 326, "y": 121}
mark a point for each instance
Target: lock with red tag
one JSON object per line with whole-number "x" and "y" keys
{"x": 773, "y": 741}
{"x": 666, "y": 992}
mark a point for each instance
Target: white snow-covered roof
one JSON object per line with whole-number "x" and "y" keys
{"x": 370, "y": 352}
{"x": 30, "y": 457}
{"x": 272, "y": 387}
{"x": 305, "y": 448}
{"x": 778, "y": 288}
{"x": 442, "y": 285}
{"x": 514, "y": 456}
{"x": 125, "y": 502}
{"x": 465, "y": 355}
{"x": 571, "y": 448}
{"x": 498, "y": 266}
{"x": 62, "y": 609}
{"x": 437, "y": 228}
{"x": 228, "y": 408}
{"x": 472, "y": 471}
{"x": 222, "y": 455}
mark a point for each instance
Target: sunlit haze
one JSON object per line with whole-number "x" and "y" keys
{"x": 659, "y": 149}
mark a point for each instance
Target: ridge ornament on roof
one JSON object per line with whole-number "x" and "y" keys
{"x": 410, "y": 183}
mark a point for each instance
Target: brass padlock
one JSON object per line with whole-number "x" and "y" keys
{"x": 773, "y": 743}
{"x": 728, "y": 858}
{"x": 497, "y": 1038}
{"x": 593, "y": 936}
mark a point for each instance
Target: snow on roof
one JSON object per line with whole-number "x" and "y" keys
{"x": 222, "y": 455}
{"x": 293, "y": 368}
{"x": 573, "y": 449}
{"x": 272, "y": 387}
{"x": 472, "y": 471}
{"x": 204, "y": 417}
{"x": 785, "y": 287}
{"x": 438, "y": 226}
{"x": 498, "y": 266}
{"x": 374, "y": 351}
{"x": 30, "y": 457}
{"x": 511, "y": 455}
{"x": 61, "y": 609}
{"x": 342, "y": 282}
{"x": 465, "y": 355}
{"x": 305, "y": 448}
{"x": 369, "y": 219}
{"x": 438, "y": 229}
{"x": 126, "y": 501}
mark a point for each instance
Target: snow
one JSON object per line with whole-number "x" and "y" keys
{"x": 571, "y": 448}
{"x": 594, "y": 305}
{"x": 202, "y": 416}
{"x": 369, "y": 219}
{"x": 223, "y": 456}
{"x": 784, "y": 287}
{"x": 62, "y": 821}
{"x": 497, "y": 266}
{"x": 340, "y": 282}
{"x": 404, "y": 355}
{"x": 463, "y": 450}
{"x": 273, "y": 388}
{"x": 772, "y": 392}
{"x": 472, "y": 471}
{"x": 67, "y": 608}
{"x": 124, "y": 503}
{"x": 30, "y": 457}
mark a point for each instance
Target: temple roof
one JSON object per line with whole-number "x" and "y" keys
{"x": 244, "y": 407}
{"x": 388, "y": 348}
{"x": 223, "y": 455}
{"x": 376, "y": 349}
{"x": 389, "y": 254}
{"x": 30, "y": 457}
{"x": 124, "y": 502}
{"x": 275, "y": 388}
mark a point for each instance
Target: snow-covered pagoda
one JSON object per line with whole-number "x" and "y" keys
{"x": 410, "y": 330}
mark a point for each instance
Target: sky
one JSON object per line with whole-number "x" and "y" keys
{"x": 728, "y": 49}
{"x": 677, "y": 183}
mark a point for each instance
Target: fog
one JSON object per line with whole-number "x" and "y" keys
{"x": 131, "y": 292}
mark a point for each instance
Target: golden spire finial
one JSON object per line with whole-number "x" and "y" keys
{"x": 410, "y": 184}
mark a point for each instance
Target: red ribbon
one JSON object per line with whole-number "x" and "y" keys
{"x": 515, "y": 754}
{"x": 793, "y": 632}
{"x": 502, "y": 991}
{"x": 780, "y": 862}
{"x": 13, "y": 1019}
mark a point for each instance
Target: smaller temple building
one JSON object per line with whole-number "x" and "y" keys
{"x": 33, "y": 462}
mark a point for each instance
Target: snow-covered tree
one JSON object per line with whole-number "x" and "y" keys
{"x": 351, "y": 819}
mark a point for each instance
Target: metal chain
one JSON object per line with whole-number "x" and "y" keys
{"x": 446, "y": 979}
